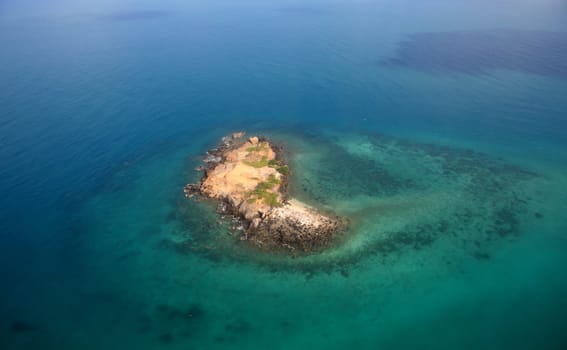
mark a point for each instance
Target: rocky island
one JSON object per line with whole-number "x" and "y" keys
{"x": 248, "y": 178}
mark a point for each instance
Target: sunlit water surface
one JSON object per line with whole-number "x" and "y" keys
{"x": 436, "y": 127}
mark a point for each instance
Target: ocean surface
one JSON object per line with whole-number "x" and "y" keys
{"x": 438, "y": 127}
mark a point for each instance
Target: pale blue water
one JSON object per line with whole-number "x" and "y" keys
{"x": 437, "y": 126}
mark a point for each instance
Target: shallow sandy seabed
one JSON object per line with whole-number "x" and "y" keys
{"x": 440, "y": 234}
{"x": 401, "y": 197}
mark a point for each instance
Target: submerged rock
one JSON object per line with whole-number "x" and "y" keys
{"x": 249, "y": 178}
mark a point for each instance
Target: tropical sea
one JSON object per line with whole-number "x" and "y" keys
{"x": 437, "y": 127}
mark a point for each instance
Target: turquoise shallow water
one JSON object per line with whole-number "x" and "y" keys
{"x": 437, "y": 127}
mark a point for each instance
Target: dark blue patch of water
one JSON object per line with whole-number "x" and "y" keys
{"x": 478, "y": 52}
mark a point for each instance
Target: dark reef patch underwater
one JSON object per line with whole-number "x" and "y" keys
{"x": 401, "y": 196}
{"x": 436, "y": 127}
{"x": 478, "y": 52}
{"x": 164, "y": 270}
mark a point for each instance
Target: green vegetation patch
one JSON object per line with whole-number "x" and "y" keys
{"x": 279, "y": 166}
{"x": 262, "y": 192}
{"x": 284, "y": 169}
{"x": 257, "y": 148}
{"x": 273, "y": 180}
{"x": 270, "y": 199}
{"x": 257, "y": 164}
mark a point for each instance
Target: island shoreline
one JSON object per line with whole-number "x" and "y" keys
{"x": 249, "y": 180}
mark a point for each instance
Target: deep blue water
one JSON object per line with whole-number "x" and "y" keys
{"x": 440, "y": 120}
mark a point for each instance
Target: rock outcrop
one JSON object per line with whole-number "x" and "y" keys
{"x": 249, "y": 179}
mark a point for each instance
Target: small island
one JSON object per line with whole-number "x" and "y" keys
{"x": 248, "y": 178}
